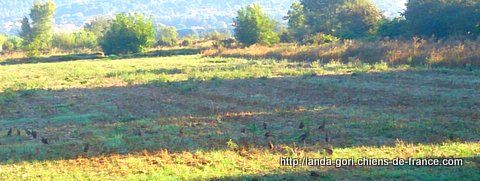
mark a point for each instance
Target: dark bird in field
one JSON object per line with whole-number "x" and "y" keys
{"x": 139, "y": 133}
{"x": 28, "y": 132}
{"x": 181, "y": 132}
{"x": 327, "y": 137}
{"x": 44, "y": 140}
{"x": 18, "y": 132}
{"x": 469, "y": 67}
{"x": 244, "y": 130}
{"x": 322, "y": 126}
{"x": 314, "y": 174}
{"x": 268, "y": 134}
{"x": 34, "y": 134}
{"x": 10, "y": 131}
{"x": 86, "y": 147}
{"x": 303, "y": 137}
{"x": 302, "y": 125}
{"x": 265, "y": 125}
{"x": 329, "y": 151}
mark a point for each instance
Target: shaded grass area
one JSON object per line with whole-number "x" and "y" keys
{"x": 188, "y": 117}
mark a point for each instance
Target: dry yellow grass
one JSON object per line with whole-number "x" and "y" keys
{"x": 451, "y": 53}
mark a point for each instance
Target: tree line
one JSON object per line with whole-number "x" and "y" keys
{"x": 123, "y": 34}
{"x": 323, "y": 21}
{"x": 309, "y": 22}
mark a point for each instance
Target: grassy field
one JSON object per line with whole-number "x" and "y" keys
{"x": 190, "y": 118}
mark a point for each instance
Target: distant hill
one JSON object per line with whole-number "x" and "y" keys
{"x": 183, "y": 14}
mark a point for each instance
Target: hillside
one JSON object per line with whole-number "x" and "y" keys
{"x": 183, "y": 14}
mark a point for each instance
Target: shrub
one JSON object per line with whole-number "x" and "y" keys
{"x": 216, "y": 36}
{"x": 188, "y": 41}
{"x": 3, "y": 40}
{"x": 226, "y": 43}
{"x": 167, "y": 36}
{"x": 73, "y": 41}
{"x": 13, "y": 43}
{"x": 64, "y": 41}
{"x": 320, "y": 39}
{"x": 393, "y": 28}
{"x": 129, "y": 33}
{"x": 286, "y": 37}
{"x": 85, "y": 39}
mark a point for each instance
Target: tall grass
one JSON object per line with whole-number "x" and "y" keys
{"x": 451, "y": 53}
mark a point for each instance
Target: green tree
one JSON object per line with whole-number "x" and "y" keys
{"x": 129, "y": 33}
{"x": 297, "y": 22}
{"x": 342, "y": 18}
{"x": 38, "y": 34}
{"x": 254, "y": 26}
{"x": 167, "y": 36}
{"x": 443, "y": 18}
{"x": 26, "y": 30}
{"x": 357, "y": 18}
{"x": 320, "y": 15}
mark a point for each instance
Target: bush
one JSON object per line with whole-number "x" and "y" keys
{"x": 131, "y": 33}
{"x": 188, "y": 41}
{"x": 227, "y": 43}
{"x": 254, "y": 26}
{"x": 167, "y": 36}
{"x": 13, "y": 43}
{"x": 7, "y": 46}
{"x": 286, "y": 37}
{"x": 320, "y": 39}
{"x": 393, "y": 28}
{"x": 85, "y": 39}
{"x": 3, "y": 40}
{"x": 216, "y": 36}
{"x": 73, "y": 41}
{"x": 63, "y": 41}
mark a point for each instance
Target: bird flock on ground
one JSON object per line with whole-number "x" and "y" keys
{"x": 29, "y": 132}
{"x": 269, "y": 136}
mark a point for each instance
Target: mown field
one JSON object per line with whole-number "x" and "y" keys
{"x": 191, "y": 118}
